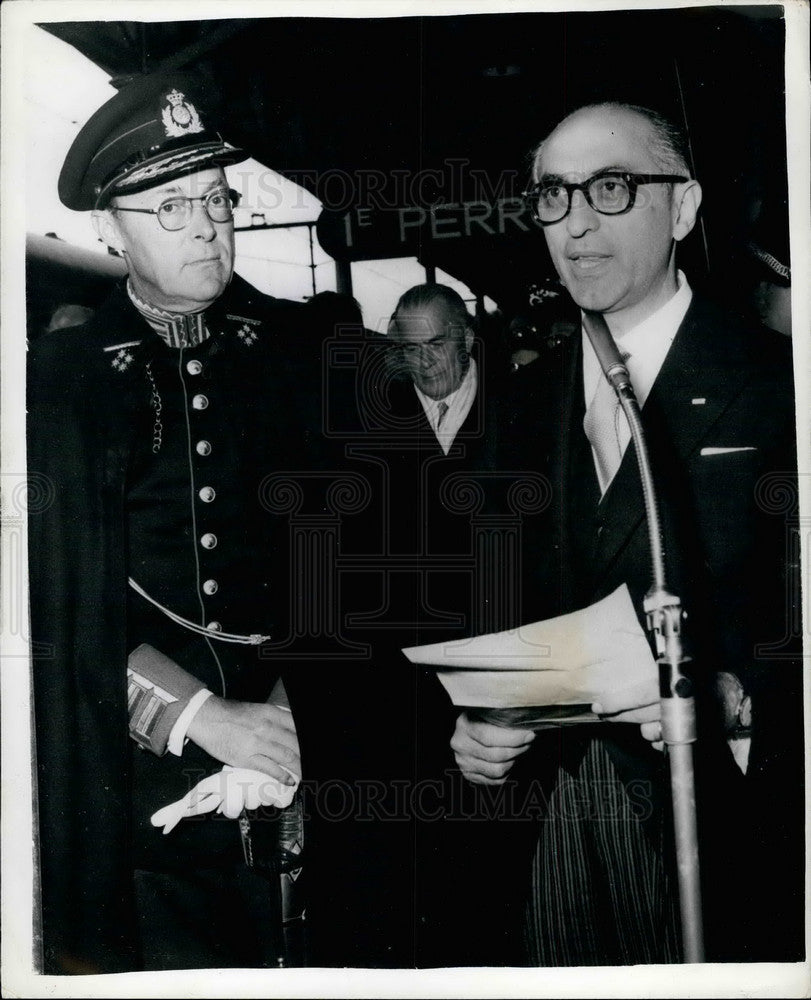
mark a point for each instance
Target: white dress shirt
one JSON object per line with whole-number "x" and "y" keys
{"x": 647, "y": 345}
{"x": 458, "y": 402}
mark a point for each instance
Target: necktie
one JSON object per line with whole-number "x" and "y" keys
{"x": 601, "y": 424}
{"x": 443, "y": 409}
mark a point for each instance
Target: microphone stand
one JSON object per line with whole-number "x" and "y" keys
{"x": 664, "y": 617}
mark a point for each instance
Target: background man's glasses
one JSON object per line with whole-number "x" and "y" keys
{"x": 175, "y": 213}
{"x": 427, "y": 347}
{"x": 608, "y": 192}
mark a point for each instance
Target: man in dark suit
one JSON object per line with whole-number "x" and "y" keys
{"x": 438, "y": 403}
{"x": 432, "y": 328}
{"x": 419, "y": 420}
{"x": 442, "y": 477}
{"x": 615, "y": 195}
{"x": 409, "y": 578}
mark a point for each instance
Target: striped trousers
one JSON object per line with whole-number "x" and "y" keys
{"x": 600, "y": 892}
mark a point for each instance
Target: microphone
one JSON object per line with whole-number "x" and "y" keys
{"x": 664, "y": 616}
{"x": 606, "y": 350}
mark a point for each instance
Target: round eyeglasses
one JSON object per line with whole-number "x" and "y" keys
{"x": 609, "y": 192}
{"x": 175, "y": 213}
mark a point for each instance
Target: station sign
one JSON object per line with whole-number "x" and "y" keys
{"x": 377, "y": 233}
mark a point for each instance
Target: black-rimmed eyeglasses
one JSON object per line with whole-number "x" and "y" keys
{"x": 609, "y": 192}
{"x": 175, "y": 213}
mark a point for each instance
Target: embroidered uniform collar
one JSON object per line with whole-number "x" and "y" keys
{"x": 174, "y": 329}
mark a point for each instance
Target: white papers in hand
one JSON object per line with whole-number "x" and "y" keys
{"x": 569, "y": 660}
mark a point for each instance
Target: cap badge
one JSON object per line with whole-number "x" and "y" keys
{"x": 180, "y": 116}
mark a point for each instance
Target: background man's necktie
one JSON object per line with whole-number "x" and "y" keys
{"x": 443, "y": 409}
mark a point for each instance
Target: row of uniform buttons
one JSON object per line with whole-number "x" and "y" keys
{"x": 199, "y": 402}
{"x": 207, "y": 493}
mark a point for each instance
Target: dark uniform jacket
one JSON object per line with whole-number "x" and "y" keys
{"x": 154, "y": 460}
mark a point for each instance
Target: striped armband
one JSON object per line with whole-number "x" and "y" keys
{"x": 158, "y": 690}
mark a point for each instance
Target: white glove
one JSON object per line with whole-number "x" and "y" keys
{"x": 229, "y": 792}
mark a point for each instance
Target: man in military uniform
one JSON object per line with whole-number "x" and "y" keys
{"x": 151, "y": 570}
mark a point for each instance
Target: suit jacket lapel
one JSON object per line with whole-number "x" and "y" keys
{"x": 411, "y": 422}
{"x": 702, "y": 373}
{"x": 562, "y": 399}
